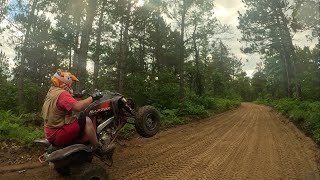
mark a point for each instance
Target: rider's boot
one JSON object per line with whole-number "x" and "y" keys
{"x": 105, "y": 153}
{"x": 109, "y": 148}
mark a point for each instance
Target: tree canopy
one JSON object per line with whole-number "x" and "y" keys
{"x": 158, "y": 52}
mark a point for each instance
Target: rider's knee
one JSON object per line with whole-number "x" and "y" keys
{"x": 88, "y": 121}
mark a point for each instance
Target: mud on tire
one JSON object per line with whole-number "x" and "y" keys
{"x": 147, "y": 122}
{"x": 88, "y": 171}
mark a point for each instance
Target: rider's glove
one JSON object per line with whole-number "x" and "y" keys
{"x": 77, "y": 95}
{"x": 96, "y": 95}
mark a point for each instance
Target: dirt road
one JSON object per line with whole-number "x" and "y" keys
{"x": 251, "y": 142}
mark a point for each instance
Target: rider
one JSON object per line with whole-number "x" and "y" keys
{"x": 61, "y": 125}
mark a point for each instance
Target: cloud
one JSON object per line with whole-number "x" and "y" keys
{"x": 227, "y": 13}
{"x": 4, "y": 38}
{"x": 301, "y": 39}
{"x": 250, "y": 73}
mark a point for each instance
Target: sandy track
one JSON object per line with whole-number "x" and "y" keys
{"x": 251, "y": 142}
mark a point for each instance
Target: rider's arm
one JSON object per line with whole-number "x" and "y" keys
{"x": 82, "y": 104}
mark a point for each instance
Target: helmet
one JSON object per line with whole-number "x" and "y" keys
{"x": 63, "y": 77}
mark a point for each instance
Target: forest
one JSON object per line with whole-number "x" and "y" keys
{"x": 166, "y": 53}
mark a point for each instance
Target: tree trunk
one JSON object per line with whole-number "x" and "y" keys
{"x": 124, "y": 48}
{"x": 292, "y": 54}
{"x": 84, "y": 46}
{"x": 39, "y": 80}
{"x": 24, "y": 49}
{"x": 181, "y": 52}
{"x": 70, "y": 58}
{"x": 158, "y": 46}
{"x": 75, "y": 60}
{"x": 284, "y": 56}
{"x": 197, "y": 59}
{"x": 98, "y": 50}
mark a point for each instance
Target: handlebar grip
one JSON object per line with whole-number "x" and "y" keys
{"x": 77, "y": 95}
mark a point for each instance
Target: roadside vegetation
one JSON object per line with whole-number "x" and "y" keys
{"x": 304, "y": 114}
{"x": 26, "y": 128}
{"x": 16, "y": 128}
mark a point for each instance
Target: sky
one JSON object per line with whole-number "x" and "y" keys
{"x": 226, "y": 12}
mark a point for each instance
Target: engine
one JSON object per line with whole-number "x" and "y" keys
{"x": 105, "y": 137}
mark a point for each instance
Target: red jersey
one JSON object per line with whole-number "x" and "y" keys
{"x": 69, "y": 132}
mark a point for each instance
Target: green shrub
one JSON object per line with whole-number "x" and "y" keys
{"x": 8, "y": 96}
{"x": 310, "y": 124}
{"x": 209, "y": 103}
{"x": 226, "y": 104}
{"x": 316, "y": 135}
{"x": 314, "y": 106}
{"x": 206, "y": 101}
{"x": 197, "y": 107}
{"x": 169, "y": 118}
{"x": 12, "y": 128}
{"x": 34, "y": 119}
{"x": 10, "y": 117}
{"x": 285, "y": 105}
{"x": 189, "y": 108}
{"x": 297, "y": 115}
{"x": 127, "y": 130}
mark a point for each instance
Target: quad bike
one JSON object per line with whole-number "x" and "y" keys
{"x": 108, "y": 114}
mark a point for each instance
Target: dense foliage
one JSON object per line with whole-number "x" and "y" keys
{"x": 13, "y": 127}
{"x": 28, "y": 127}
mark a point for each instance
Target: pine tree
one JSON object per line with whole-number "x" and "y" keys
{"x": 267, "y": 30}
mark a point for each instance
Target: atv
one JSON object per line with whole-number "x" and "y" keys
{"x": 108, "y": 114}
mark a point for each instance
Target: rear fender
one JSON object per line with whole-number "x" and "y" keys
{"x": 67, "y": 151}
{"x": 42, "y": 142}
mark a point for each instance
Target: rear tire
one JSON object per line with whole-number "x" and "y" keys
{"x": 88, "y": 171}
{"x": 147, "y": 122}
{"x": 63, "y": 171}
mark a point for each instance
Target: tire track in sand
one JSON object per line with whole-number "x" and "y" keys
{"x": 251, "y": 142}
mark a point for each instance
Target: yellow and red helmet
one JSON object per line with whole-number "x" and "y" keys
{"x": 63, "y": 77}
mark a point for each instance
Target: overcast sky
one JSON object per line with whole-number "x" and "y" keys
{"x": 226, "y": 11}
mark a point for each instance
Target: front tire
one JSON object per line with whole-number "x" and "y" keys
{"x": 88, "y": 171}
{"x": 147, "y": 122}
{"x": 63, "y": 171}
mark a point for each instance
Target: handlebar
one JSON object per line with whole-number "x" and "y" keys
{"x": 107, "y": 95}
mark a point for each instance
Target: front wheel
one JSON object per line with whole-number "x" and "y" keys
{"x": 88, "y": 171}
{"x": 63, "y": 171}
{"x": 147, "y": 122}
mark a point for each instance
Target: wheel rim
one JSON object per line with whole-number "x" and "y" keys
{"x": 151, "y": 123}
